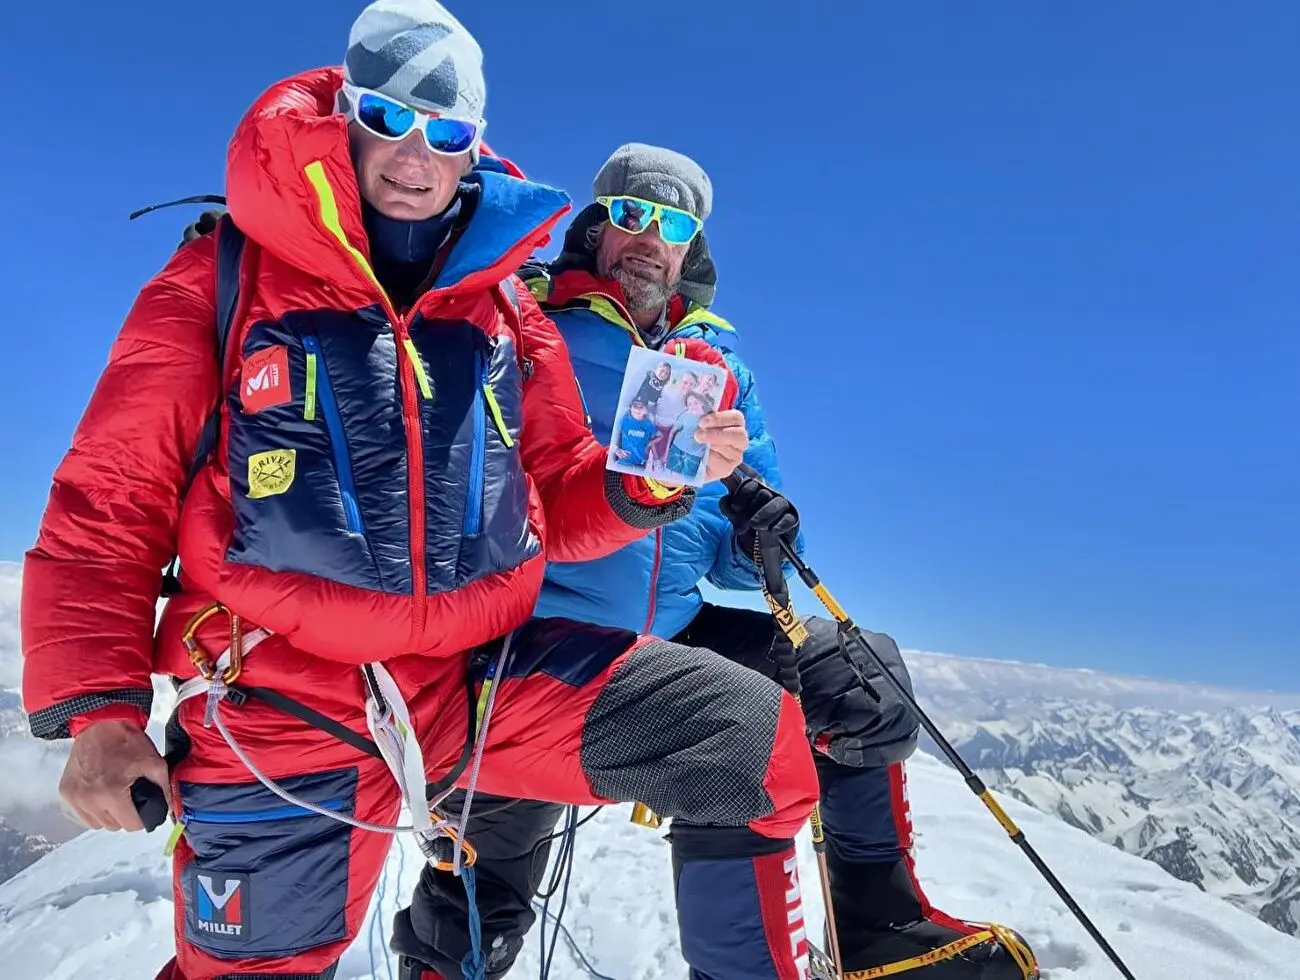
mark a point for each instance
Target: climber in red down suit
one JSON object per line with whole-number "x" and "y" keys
{"x": 401, "y": 448}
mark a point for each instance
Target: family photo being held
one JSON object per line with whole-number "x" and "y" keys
{"x": 662, "y": 402}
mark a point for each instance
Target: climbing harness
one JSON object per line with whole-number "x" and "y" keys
{"x": 392, "y": 738}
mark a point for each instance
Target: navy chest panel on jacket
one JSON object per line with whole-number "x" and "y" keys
{"x": 319, "y": 470}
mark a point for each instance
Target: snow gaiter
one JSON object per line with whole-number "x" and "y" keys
{"x": 881, "y": 914}
{"x": 739, "y": 906}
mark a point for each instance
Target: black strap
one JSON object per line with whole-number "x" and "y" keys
{"x": 193, "y": 199}
{"x": 312, "y": 717}
{"x": 230, "y": 250}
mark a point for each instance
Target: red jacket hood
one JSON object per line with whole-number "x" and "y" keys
{"x": 291, "y": 125}
{"x": 293, "y": 132}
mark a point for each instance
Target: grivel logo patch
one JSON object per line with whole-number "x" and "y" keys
{"x": 221, "y": 904}
{"x": 271, "y": 472}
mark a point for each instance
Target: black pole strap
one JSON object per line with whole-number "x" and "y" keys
{"x": 853, "y": 635}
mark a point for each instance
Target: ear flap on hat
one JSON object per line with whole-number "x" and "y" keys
{"x": 699, "y": 274}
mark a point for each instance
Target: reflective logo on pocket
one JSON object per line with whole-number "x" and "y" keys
{"x": 271, "y": 472}
{"x": 221, "y": 904}
{"x": 264, "y": 379}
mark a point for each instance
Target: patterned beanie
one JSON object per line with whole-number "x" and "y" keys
{"x": 418, "y": 53}
{"x": 655, "y": 173}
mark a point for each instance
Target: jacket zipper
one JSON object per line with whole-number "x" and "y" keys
{"x": 289, "y": 812}
{"x": 654, "y": 579}
{"x": 319, "y": 390}
{"x": 408, "y": 380}
{"x": 473, "y": 522}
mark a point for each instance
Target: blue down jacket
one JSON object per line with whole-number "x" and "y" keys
{"x": 651, "y": 585}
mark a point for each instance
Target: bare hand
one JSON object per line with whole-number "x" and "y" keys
{"x": 106, "y": 758}
{"x": 725, "y": 435}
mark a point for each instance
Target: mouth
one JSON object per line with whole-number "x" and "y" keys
{"x": 402, "y": 185}
{"x": 642, "y": 265}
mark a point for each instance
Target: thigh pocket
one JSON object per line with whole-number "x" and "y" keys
{"x": 268, "y": 878}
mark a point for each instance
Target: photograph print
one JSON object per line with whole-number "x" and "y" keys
{"x": 659, "y": 408}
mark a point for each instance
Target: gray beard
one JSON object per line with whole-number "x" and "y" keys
{"x": 642, "y": 295}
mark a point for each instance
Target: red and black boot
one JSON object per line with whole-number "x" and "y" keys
{"x": 886, "y": 926}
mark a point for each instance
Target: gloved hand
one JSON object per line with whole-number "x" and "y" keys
{"x": 844, "y": 722}
{"x": 752, "y": 507}
{"x": 207, "y": 223}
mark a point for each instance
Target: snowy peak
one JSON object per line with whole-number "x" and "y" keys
{"x": 102, "y": 903}
{"x": 1204, "y": 783}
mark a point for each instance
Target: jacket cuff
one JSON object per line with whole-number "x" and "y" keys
{"x": 67, "y": 719}
{"x": 645, "y": 504}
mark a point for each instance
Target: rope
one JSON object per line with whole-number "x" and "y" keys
{"x": 474, "y": 964}
{"x": 379, "y": 914}
{"x": 288, "y": 797}
{"x": 495, "y": 672}
{"x": 572, "y": 943}
{"x": 563, "y": 869}
{"x": 376, "y": 921}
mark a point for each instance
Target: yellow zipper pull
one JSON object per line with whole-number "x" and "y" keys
{"x": 497, "y": 417}
{"x": 174, "y": 838}
{"x": 421, "y": 378}
{"x": 309, "y": 400}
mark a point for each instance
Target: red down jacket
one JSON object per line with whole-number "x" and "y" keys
{"x": 384, "y": 484}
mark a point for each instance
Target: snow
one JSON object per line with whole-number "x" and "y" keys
{"x": 100, "y": 905}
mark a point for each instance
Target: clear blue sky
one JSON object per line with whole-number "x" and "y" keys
{"x": 1019, "y": 280}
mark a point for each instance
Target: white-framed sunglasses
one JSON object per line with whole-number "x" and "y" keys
{"x": 390, "y": 119}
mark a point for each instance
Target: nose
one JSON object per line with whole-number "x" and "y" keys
{"x": 413, "y": 146}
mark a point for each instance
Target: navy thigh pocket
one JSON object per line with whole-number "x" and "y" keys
{"x": 268, "y": 878}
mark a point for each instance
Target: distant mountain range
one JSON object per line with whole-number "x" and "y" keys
{"x": 1202, "y": 781}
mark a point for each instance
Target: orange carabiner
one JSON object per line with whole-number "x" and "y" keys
{"x": 471, "y": 855}
{"x": 200, "y": 657}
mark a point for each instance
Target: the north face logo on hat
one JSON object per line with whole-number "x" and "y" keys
{"x": 665, "y": 193}
{"x": 221, "y": 905}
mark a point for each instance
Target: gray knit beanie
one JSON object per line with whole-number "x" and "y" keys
{"x": 418, "y": 53}
{"x": 657, "y": 174}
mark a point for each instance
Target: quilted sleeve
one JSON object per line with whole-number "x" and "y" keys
{"x": 91, "y": 580}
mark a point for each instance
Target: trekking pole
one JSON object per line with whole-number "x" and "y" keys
{"x": 853, "y": 634}
{"x": 767, "y": 555}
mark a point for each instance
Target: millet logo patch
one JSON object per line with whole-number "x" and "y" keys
{"x": 221, "y": 904}
{"x": 264, "y": 379}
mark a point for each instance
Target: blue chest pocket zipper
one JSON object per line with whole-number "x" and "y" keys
{"x": 485, "y": 402}
{"x": 473, "y": 522}
{"x": 320, "y": 391}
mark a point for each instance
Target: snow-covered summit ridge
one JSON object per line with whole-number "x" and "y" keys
{"x": 103, "y": 902}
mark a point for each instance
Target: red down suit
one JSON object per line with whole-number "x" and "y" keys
{"x": 386, "y": 486}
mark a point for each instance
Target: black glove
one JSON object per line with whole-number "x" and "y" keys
{"x": 754, "y": 507}
{"x": 207, "y": 223}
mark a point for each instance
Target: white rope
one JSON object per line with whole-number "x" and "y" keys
{"x": 392, "y": 733}
{"x": 288, "y": 797}
{"x": 498, "y": 676}
{"x": 216, "y": 690}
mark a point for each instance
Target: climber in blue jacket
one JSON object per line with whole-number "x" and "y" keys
{"x": 636, "y": 271}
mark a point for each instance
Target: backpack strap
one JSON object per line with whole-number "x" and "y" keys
{"x": 230, "y": 251}
{"x": 508, "y": 287}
